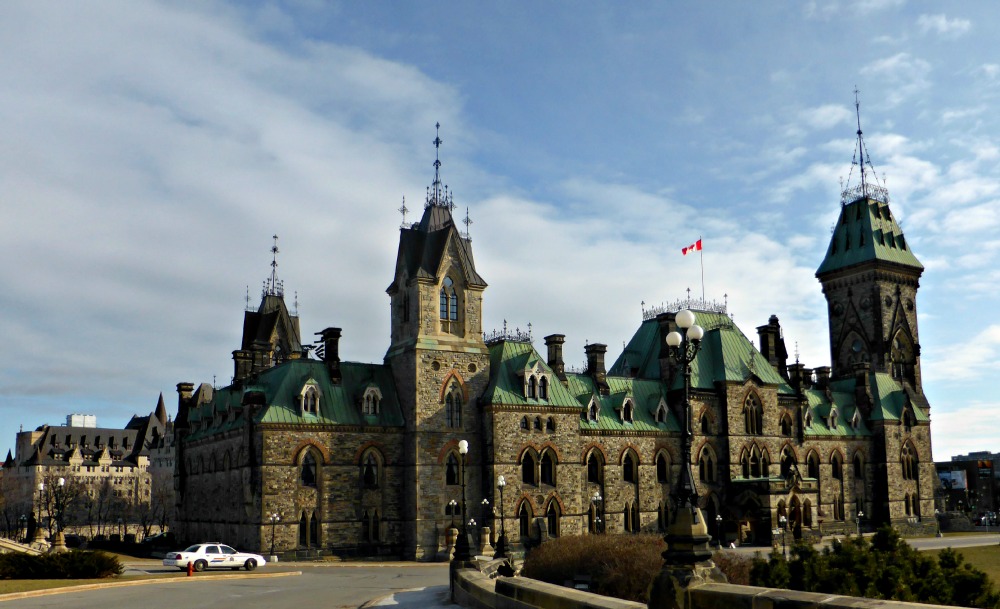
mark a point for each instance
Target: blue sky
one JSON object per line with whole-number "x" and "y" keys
{"x": 150, "y": 150}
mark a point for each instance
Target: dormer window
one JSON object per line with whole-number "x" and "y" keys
{"x": 309, "y": 400}
{"x": 543, "y": 388}
{"x": 832, "y": 421}
{"x": 532, "y": 388}
{"x": 856, "y": 420}
{"x": 661, "y": 412}
{"x": 627, "y": 409}
{"x": 371, "y": 401}
{"x": 593, "y": 410}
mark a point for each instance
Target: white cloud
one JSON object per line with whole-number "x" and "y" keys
{"x": 974, "y": 358}
{"x": 902, "y": 75}
{"x": 827, "y": 116}
{"x": 942, "y": 25}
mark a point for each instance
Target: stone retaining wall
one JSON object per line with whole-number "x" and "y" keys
{"x": 473, "y": 589}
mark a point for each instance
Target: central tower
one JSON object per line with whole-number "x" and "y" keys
{"x": 439, "y": 361}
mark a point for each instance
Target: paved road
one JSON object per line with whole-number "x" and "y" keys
{"x": 920, "y": 543}
{"x": 339, "y": 586}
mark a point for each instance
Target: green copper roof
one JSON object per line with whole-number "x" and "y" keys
{"x": 865, "y": 232}
{"x": 889, "y": 399}
{"x": 282, "y": 386}
{"x": 726, "y": 355}
{"x": 508, "y": 358}
{"x": 645, "y": 395}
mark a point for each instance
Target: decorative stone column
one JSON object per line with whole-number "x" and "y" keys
{"x": 485, "y": 549}
{"x": 687, "y": 561}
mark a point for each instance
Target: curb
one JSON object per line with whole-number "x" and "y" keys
{"x": 138, "y": 582}
{"x": 375, "y": 601}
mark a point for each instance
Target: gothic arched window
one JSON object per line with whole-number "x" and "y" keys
{"x": 753, "y": 415}
{"x": 370, "y": 471}
{"x": 543, "y": 388}
{"x": 548, "y": 469}
{"x": 662, "y": 469}
{"x": 453, "y": 407}
{"x": 629, "y": 469}
{"x": 451, "y": 470}
{"x": 308, "y": 470}
{"x": 595, "y": 469}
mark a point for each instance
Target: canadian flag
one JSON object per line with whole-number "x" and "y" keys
{"x": 694, "y": 247}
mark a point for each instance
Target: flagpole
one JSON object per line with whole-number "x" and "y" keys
{"x": 701, "y": 251}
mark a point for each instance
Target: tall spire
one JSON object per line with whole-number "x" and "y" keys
{"x": 273, "y": 286}
{"x": 436, "y": 195}
{"x": 866, "y": 189}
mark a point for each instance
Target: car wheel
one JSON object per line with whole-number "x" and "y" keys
{"x": 199, "y": 565}
{"x": 250, "y": 564}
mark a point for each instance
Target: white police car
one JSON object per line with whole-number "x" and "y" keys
{"x": 213, "y": 555}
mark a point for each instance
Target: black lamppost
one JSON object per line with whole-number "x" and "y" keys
{"x": 718, "y": 528}
{"x": 501, "y": 550}
{"x": 23, "y": 530}
{"x": 41, "y": 504}
{"x": 783, "y": 524}
{"x": 453, "y": 509}
{"x": 597, "y": 500}
{"x": 857, "y": 520}
{"x": 274, "y": 518}
{"x": 462, "y": 550}
{"x": 59, "y": 495}
{"x": 683, "y": 347}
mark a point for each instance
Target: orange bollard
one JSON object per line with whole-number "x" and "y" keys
{"x": 190, "y": 569}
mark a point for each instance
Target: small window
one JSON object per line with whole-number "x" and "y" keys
{"x": 371, "y": 401}
{"x": 548, "y": 469}
{"x": 661, "y": 412}
{"x": 543, "y": 388}
{"x": 528, "y": 469}
{"x": 550, "y": 425}
{"x": 836, "y": 471}
{"x": 369, "y": 472}
{"x": 308, "y": 473}
{"x": 524, "y": 423}
{"x": 629, "y": 473}
{"x": 532, "y": 388}
{"x": 705, "y": 429}
{"x": 592, "y": 411}
{"x": 786, "y": 426}
{"x": 662, "y": 469}
{"x": 538, "y": 423}
{"x": 627, "y": 411}
{"x": 453, "y": 408}
{"x": 594, "y": 469}
{"x": 451, "y": 470}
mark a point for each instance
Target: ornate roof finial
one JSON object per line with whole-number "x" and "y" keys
{"x": 248, "y": 299}
{"x": 436, "y": 186}
{"x": 467, "y": 222}
{"x": 295, "y": 303}
{"x": 403, "y": 209}
{"x": 273, "y": 287}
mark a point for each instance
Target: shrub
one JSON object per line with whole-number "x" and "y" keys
{"x": 75, "y": 564}
{"x": 621, "y": 566}
{"x": 885, "y": 568}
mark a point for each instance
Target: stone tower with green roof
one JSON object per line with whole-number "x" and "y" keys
{"x": 438, "y": 359}
{"x": 870, "y": 278}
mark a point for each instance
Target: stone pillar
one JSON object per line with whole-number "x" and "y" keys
{"x": 687, "y": 561}
{"x": 485, "y": 549}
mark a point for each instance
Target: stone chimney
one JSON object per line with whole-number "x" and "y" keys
{"x": 797, "y": 377}
{"x": 242, "y": 365}
{"x": 331, "y": 352}
{"x": 772, "y": 345}
{"x": 554, "y": 342}
{"x": 595, "y": 366}
{"x": 822, "y": 377}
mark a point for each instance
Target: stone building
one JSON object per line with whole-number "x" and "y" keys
{"x": 114, "y": 480}
{"x": 338, "y": 456}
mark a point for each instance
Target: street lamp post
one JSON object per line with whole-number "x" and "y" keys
{"x": 41, "y": 501}
{"x": 783, "y": 525}
{"x": 274, "y": 518}
{"x": 501, "y": 549}
{"x": 857, "y": 519}
{"x": 718, "y": 528}
{"x": 597, "y": 501}
{"x": 59, "y": 495}
{"x": 463, "y": 551}
{"x": 453, "y": 509}
{"x": 683, "y": 347}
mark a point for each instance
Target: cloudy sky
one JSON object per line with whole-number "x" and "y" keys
{"x": 149, "y": 151}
